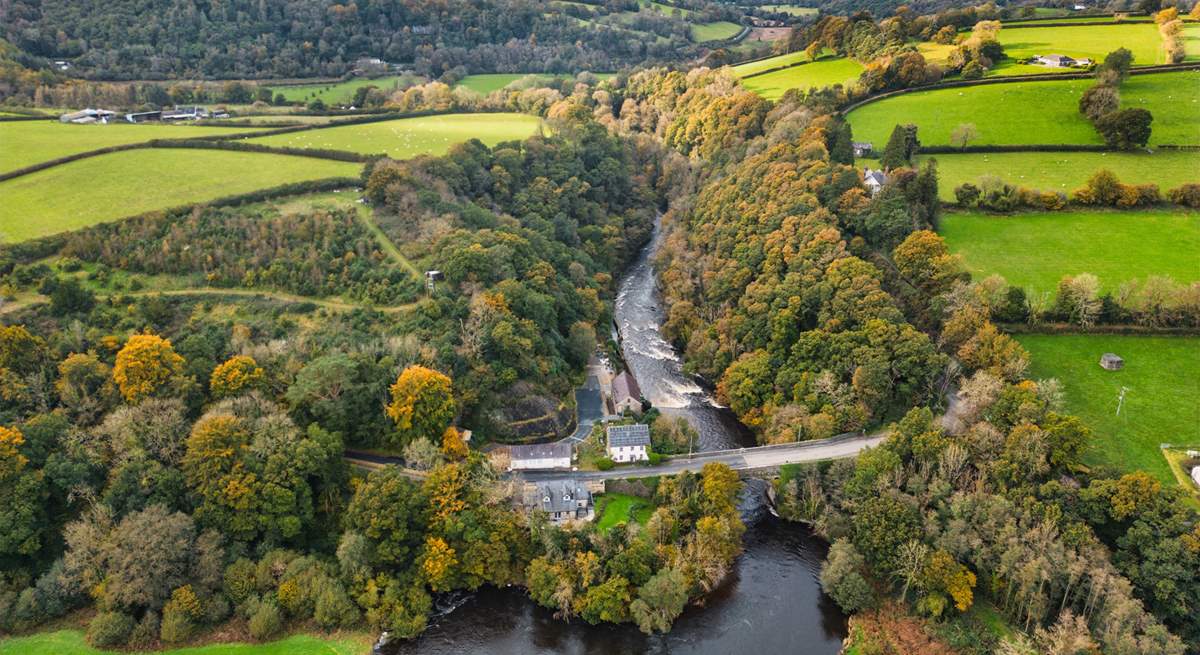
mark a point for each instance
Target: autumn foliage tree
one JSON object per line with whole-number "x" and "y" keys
{"x": 147, "y": 366}
{"x": 422, "y": 405}
{"x": 237, "y": 375}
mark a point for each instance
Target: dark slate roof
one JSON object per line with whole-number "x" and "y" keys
{"x": 878, "y": 176}
{"x": 625, "y": 386}
{"x": 629, "y": 435}
{"x": 540, "y": 451}
{"x": 552, "y": 496}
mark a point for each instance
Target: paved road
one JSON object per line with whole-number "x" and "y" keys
{"x": 589, "y": 409}
{"x": 742, "y": 459}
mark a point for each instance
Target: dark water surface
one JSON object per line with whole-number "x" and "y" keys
{"x": 770, "y": 603}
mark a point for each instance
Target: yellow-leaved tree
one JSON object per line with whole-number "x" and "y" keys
{"x": 237, "y": 375}
{"x": 422, "y": 405}
{"x": 147, "y": 366}
{"x": 453, "y": 446}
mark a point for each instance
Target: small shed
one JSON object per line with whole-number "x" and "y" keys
{"x": 1111, "y": 362}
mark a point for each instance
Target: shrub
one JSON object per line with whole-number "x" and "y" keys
{"x": 145, "y": 634}
{"x": 656, "y": 458}
{"x": 966, "y": 194}
{"x": 109, "y": 629}
{"x": 239, "y": 580}
{"x": 1187, "y": 195}
{"x": 176, "y": 626}
{"x": 605, "y": 464}
{"x": 334, "y": 608}
{"x": 266, "y": 622}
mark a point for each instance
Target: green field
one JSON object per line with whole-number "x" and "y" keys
{"x": 665, "y": 8}
{"x": 1191, "y": 41}
{"x": 1080, "y": 41}
{"x": 488, "y": 82}
{"x": 718, "y": 31}
{"x": 1032, "y": 112}
{"x": 793, "y": 10}
{"x": 23, "y": 143}
{"x": 333, "y": 92}
{"x": 1162, "y": 375}
{"x": 1034, "y": 250}
{"x": 1066, "y": 171}
{"x": 123, "y": 184}
{"x": 409, "y": 137}
{"x": 825, "y": 72}
{"x": 71, "y": 642}
{"x": 752, "y": 67}
{"x": 614, "y": 508}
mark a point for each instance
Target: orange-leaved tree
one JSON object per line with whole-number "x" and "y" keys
{"x": 422, "y": 405}
{"x": 147, "y": 366}
{"x": 240, "y": 373}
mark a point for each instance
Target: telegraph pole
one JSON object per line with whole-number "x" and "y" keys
{"x": 1121, "y": 399}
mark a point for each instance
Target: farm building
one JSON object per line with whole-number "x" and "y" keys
{"x": 862, "y": 148}
{"x": 85, "y": 116}
{"x": 1060, "y": 61}
{"x": 561, "y": 500}
{"x": 626, "y": 395}
{"x": 873, "y": 180}
{"x": 190, "y": 113}
{"x": 1111, "y": 362}
{"x": 539, "y": 457}
{"x": 629, "y": 443}
{"x": 143, "y": 116}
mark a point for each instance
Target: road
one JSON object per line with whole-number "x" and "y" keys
{"x": 742, "y": 459}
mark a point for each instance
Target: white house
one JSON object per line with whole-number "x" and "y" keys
{"x": 873, "y": 180}
{"x": 629, "y": 443}
{"x": 1196, "y": 475}
{"x": 540, "y": 456}
{"x": 626, "y": 395}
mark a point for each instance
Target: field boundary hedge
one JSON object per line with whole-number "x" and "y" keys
{"x": 1124, "y": 329}
{"x": 1012, "y": 79}
{"x": 997, "y": 148}
{"x": 240, "y": 146}
{"x": 26, "y": 252}
{"x": 784, "y": 67}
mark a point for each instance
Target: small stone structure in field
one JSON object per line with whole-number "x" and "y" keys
{"x": 1111, "y": 362}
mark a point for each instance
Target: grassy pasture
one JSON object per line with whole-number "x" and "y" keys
{"x": 486, "y": 83}
{"x": 825, "y": 72}
{"x": 1066, "y": 171}
{"x": 333, "y": 92}
{"x": 72, "y": 642}
{"x": 1032, "y": 112}
{"x": 752, "y": 67}
{"x": 123, "y": 184}
{"x": 718, "y": 31}
{"x": 665, "y": 8}
{"x": 1091, "y": 41}
{"x": 1034, "y": 250}
{"x": 793, "y": 10}
{"x": 1163, "y": 378}
{"x": 409, "y": 137}
{"x": 23, "y": 143}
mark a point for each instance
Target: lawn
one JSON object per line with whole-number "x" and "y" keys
{"x": 409, "y": 137}
{"x": 614, "y": 508}
{"x": 71, "y": 642}
{"x": 1034, "y": 250}
{"x": 1066, "y": 171}
{"x": 718, "y": 31}
{"x": 23, "y": 143}
{"x": 123, "y": 184}
{"x": 752, "y": 67}
{"x": 1023, "y": 113}
{"x": 334, "y": 92}
{"x": 1162, "y": 375}
{"x": 825, "y": 72}
{"x": 793, "y": 10}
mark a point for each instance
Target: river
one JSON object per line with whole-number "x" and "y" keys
{"x": 770, "y": 603}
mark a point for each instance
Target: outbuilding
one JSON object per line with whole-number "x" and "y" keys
{"x": 1111, "y": 362}
{"x": 539, "y": 457}
{"x": 626, "y": 394}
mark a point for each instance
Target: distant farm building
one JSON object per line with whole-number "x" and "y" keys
{"x": 873, "y": 180}
{"x": 1111, "y": 362}
{"x": 629, "y": 443}
{"x": 85, "y": 116}
{"x": 561, "y": 500}
{"x": 1061, "y": 61}
{"x": 626, "y": 395}
{"x": 539, "y": 457}
{"x": 862, "y": 149}
{"x": 189, "y": 113}
{"x": 143, "y": 116}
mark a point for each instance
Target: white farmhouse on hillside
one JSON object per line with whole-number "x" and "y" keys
{"x": 629, "y": 443}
